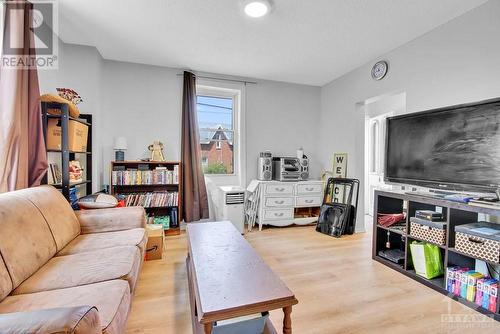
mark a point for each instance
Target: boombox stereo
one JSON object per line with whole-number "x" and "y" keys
{"x": 265, "y": 166}
{"x": 304, "y": 169}
{"x": 290, "y": 169}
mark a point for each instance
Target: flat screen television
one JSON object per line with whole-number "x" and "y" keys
{"x": 452, "y": 148}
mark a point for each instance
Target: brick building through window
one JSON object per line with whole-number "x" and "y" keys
{"x": 217, "y": 153}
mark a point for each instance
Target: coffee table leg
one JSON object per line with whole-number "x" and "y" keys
{"x": 287, "y": 320}
{"x": 208, "y": 328}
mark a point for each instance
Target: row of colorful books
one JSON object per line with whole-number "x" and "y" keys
{"x": 473, "y": 286}
{"x": 140, "y": 177}
{"x": 151, "y": 199}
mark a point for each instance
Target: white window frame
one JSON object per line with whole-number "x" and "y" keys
{"x": 236, "y": 91}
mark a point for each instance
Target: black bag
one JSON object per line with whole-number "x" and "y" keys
{"x": 332, "y": 219}
{"x": 336, "y": 218}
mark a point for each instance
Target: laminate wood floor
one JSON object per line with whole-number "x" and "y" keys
{"x": 339, "y": 287}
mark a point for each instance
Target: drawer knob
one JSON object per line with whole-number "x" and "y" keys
{"x": 279, "y": 202}
{"x": 280, "y": 189}
{"x": 308, "y": 201}
{"x": 278, "y": 214}
{"x": 309, "y": 189}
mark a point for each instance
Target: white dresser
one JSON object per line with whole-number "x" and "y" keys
{"x": 287, "y": 203}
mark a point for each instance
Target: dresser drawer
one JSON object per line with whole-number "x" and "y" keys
{"x": 278, "y": 214}
{"x": 304, "y": 189}
{"x": 279, "y": 201}
{"x": 279, "y": 189}
{"x": 308, "y": 201}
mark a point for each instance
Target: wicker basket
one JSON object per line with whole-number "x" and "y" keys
{"x": 475, "y": 246}
{"x": 434, "y": 232}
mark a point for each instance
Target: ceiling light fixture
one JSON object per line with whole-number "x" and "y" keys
{"x": 257, "y": 8}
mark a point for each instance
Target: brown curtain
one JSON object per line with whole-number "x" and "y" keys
{"x": 195, "y": 206}
{"x": 23, "y": 158}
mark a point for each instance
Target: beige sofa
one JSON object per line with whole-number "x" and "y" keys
{"x": 63, "y": 271}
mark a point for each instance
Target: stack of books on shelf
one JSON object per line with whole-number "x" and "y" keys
{"x": 151, "y": 199}
{"x": 160, "y": 175}
{"x": 473, "y": 286}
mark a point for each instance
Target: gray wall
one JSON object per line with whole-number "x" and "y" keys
{"x": 456, "y": 63}
{"x": 80, "y": 68}
{"x": 281, "y": 118}
{"x": 143, "y": 103}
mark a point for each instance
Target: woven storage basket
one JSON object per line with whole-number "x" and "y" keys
{"x": 475, "y": 246}
{"x": 434, "y": 232}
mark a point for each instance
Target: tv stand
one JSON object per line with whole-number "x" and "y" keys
{"x": 455, "y": 213}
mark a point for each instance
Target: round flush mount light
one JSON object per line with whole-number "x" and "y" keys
{"x": 257, "y": 8}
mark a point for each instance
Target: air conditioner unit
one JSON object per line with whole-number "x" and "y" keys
{"x": 232, "y": 206}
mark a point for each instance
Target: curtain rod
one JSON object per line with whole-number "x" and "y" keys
{"x": 221, "y": 79}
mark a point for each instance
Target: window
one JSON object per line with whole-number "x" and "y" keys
{"x": 218, "y": 143}
{"x": 217, "y": 131}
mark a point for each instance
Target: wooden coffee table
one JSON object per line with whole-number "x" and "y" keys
{"x": 228, "y": 279}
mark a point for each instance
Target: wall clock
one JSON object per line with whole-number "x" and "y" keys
{"x": 379, "y": 70}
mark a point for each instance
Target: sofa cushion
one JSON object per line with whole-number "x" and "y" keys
{"x": 60, "y": 320}
{"x": 57, "y": 212}
{"x": 112, "y": 299}
{"x": 5, "y": 281}
{"x": 85, "y": 268}
{"x": 26, "y": 242}
{"x": 90, "y": 242}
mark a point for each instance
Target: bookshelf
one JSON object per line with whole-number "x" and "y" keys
{"x": 454, "y": 214}
{"x": 63, "y": 156}
{"x": 131, "y": 178}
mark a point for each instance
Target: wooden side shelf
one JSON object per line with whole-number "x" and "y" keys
{"x": 454, "y": 214}
{"x": 148, "y": 188}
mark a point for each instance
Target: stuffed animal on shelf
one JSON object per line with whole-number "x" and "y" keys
{"x": 75, "y": 171}
{"x": 156, "y": 151}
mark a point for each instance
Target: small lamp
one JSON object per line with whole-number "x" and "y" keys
{"x": 120, "y": 148}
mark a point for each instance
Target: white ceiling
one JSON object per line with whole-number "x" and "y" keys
{"x": 302, "y": 41}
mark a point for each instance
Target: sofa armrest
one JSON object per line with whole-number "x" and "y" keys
{"x": 108, "y": 220}
{"x": 77, "y": 320}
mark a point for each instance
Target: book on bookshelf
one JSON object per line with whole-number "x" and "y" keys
{"x": 54, "y": 174}
{"x": 151, "y": 199}
{"x": 145, "y": 177}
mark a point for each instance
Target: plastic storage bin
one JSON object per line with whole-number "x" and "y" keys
{"x": 242, "y": 325}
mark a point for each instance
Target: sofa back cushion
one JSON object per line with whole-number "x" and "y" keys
{"x": 5, "y": 281}
{"x": 57, "y": 212}
{"x": 26, "y": 242}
